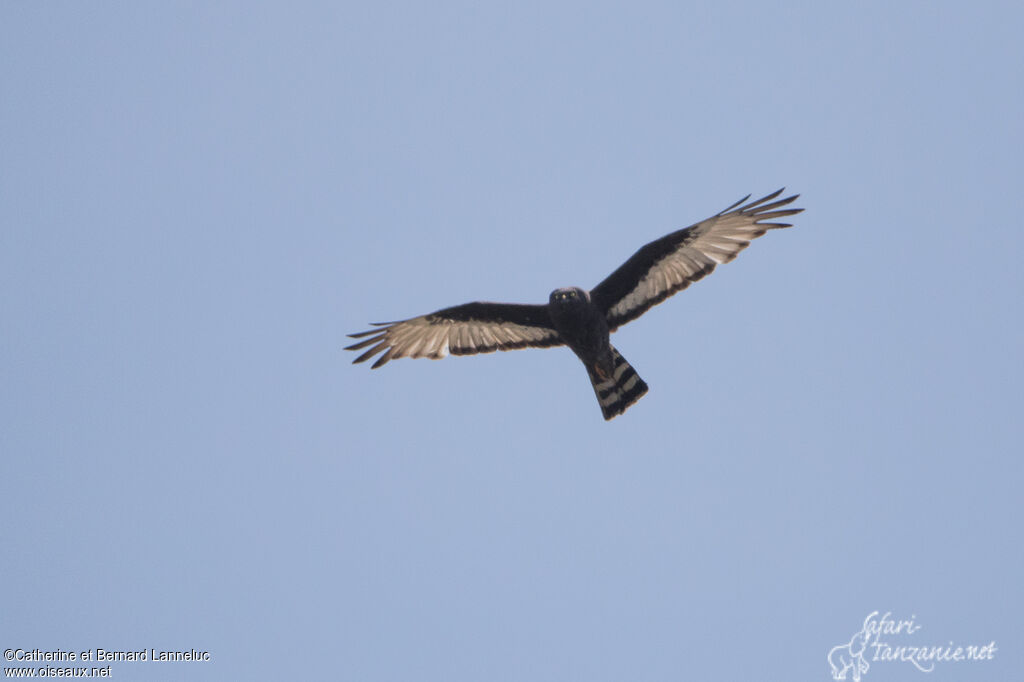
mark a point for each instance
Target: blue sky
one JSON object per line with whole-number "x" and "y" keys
{"x": 198, "y": 202}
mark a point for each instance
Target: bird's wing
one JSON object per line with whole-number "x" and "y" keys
{"x": 460, "y": 330}
{"x": 673, "y": 262}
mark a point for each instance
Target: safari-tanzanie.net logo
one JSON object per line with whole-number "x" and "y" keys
{"x": 884, "y": 639}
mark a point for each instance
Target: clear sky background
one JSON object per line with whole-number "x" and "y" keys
{"x": 198, "y": 201}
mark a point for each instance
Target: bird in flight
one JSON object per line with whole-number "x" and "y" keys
{"x": 580, "y": 319}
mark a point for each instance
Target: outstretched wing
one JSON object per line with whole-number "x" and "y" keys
{"x": 673, "y": 262}
{"x": 460, "y": 330}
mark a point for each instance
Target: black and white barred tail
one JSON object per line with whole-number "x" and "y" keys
{"x": 623, "y": 388}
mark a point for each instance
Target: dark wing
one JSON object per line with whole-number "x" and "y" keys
{"x": 461, "y": 330}
{"x": 673, "y": 262}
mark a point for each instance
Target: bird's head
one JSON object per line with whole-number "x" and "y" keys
{"x": 569, "y": 296}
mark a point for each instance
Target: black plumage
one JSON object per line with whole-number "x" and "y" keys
{"x": 583, "y": 320}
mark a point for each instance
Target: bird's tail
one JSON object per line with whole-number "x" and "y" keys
{"x": 617, "y": 392}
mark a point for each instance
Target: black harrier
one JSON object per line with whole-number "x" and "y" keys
{"x": 580, "y": 319}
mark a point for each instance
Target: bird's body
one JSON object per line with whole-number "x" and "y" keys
{"x": 584, "y": 320}
{"x": 582, "y": 326}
